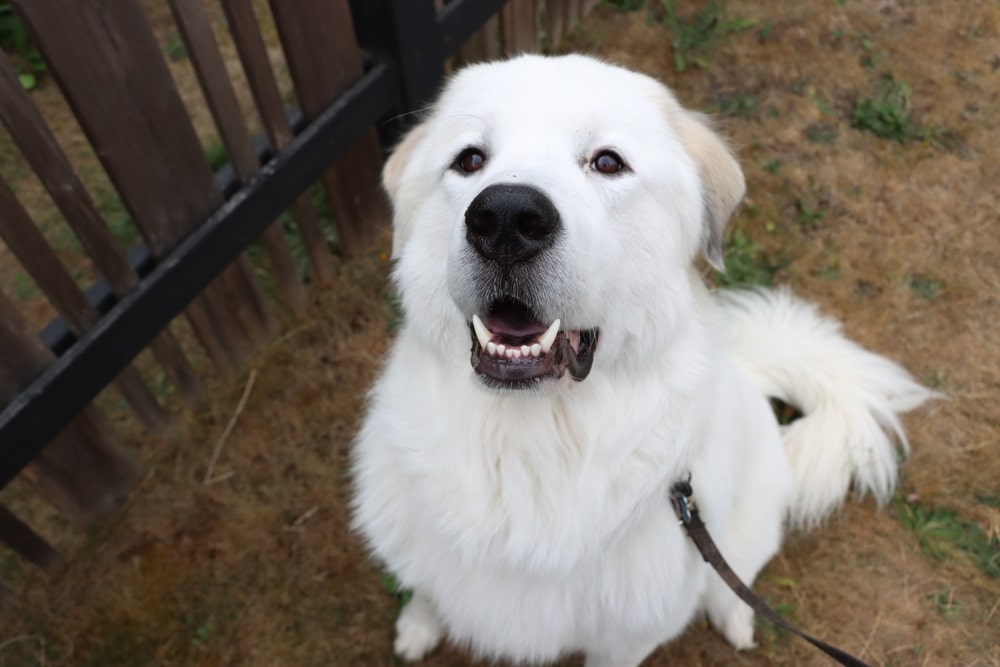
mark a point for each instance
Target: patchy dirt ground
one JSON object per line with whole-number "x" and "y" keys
{"x": 899, "y": 238}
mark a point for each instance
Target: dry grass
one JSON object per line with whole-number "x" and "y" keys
{"x": 901, "y": 240}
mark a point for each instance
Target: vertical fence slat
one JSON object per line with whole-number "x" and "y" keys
{"x": 487, "y": 44}
{"x": 40, "y": 148}
{"x": 28, "y": 544}
{"x": 203, "y": 50}
{"x": 85, "y": 471}
{"x": 145, "y": 140}
{"x": 520, "y": 27}
{"x": 253, "y": 54}
{"x": 27, "y": 243}
{"x": 322, "y": 68}
{"x": 556, "y": 22}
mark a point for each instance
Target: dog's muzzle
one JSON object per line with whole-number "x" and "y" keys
{"x": 509, "y": 226}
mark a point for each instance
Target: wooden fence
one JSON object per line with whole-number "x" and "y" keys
{"x": 352, "y": 67}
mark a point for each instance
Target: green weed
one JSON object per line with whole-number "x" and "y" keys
{"x": 942, "y": 536}
{"x": 216, "y": 155}
{"x": 822, "y": 133}
{"x": 393, "y": 588}
{"x": 692, "y": 39}
{"x": 810, "y": 211}
{"x": 869, "y": 59}
{"x": 829, "y": 264}
{"x": 739, "y": 105}
{"x": 923, "y": 286}
{"x": 772, "y": 166}
{"x": 767, "y": 629}
{"x": 746, "y": 263}
{"x": 764, "y": 32}
{"x": 398, "y": 315}
{"x": 990, "y": 500}
{"x": 27, "y": 61}
{"x": 933, "y": 380}
{"x": 24, "y": 287}
{"x": 175, "y": 47}
{"x": 887, "y": 115}
{"x": 116, "y": 217}
{"x": 946, "y": 604}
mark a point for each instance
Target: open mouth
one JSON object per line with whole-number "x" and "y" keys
{"x": 511, "y": 348}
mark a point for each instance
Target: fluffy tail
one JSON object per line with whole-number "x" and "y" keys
{"x": 850, "y": 398}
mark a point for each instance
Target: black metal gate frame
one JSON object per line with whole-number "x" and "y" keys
{"x": 405, "y": 43}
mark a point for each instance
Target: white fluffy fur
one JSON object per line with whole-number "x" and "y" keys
{"x": 534, "y": 523}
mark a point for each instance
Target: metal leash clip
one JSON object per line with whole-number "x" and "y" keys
{"x": 680, "y": 497}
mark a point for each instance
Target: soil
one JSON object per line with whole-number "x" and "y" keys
{"x": 899, "y": 239}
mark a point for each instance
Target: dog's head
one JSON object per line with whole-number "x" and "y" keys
{"x": 548, "y": 207}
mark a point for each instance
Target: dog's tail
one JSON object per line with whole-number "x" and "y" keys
{"x": 849, "y": 398}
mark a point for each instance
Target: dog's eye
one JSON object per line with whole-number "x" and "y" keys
{"x": 470, "y": 160}
{"x": 607, "y": 162}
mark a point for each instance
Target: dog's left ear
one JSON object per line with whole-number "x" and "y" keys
{"x": 392, "y": 174}
{"x": 722, "y": 180}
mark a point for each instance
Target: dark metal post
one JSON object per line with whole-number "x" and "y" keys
{"x": 403, "y": 35}
{"x": 413, "y": 40}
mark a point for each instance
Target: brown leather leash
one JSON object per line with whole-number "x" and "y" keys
{"x": 680, "y": 498}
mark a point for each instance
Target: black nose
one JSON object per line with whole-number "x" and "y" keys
{"x": 511, "y": 223}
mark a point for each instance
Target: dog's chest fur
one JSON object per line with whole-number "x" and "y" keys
{"x": 547, "y": 515}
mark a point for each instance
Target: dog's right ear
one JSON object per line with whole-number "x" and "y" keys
{"x": 722, "y": 180}
{"x": 392, "y": 174}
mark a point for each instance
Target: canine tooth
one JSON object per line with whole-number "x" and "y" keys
{"x": 525, "y": 351}
{"x": 549, "y": 337}
{"x": 482, "y": 333}
{"x": 536, "y": 350}
{"x": 491, "y": 349}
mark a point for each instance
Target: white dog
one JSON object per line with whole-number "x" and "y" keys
{"x": 548, "y": 212}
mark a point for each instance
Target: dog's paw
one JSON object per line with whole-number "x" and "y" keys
{"x": 736, "y": 625}
{"x": 418, "y": 629}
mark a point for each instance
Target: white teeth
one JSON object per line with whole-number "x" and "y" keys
{"x": 482, "y": 333}
{"x": 512, "y": 352}
{"x": 549, "y": 337}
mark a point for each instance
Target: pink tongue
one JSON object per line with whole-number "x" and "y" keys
{"x": 511, "y": 321}
{"x": 514, "y": 329}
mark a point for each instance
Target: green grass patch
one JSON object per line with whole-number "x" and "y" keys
{"x": 822, "y": 133}
{"x": 393, "y": 588}
{"x": 747, "y": 263}
{"x": 25, "y": 58}
{"x": 767, "y": 629}
{"x": 942, "y": 535}
{"x": 923, "y": 286}
{"x": 24, "y": 287}
{"x": 397, "y": 314}
{"x": 736, "y": 105}
{"x": 694, "y": 37}
{"x": 117, "y": 218}
{"x": 216, "y": 155}
{"x": 946, "y": 603}
{"x": 175, "y": 48}
{"x": 990, "y": 499}
{"x": 887, "y": 113}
